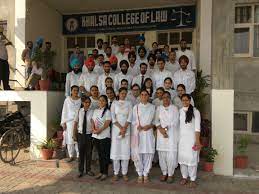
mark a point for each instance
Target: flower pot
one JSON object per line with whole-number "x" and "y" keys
{"x": 47, "y": 153}
{"x": 208, "y": 166}
{"x": 44, "y": 85}
{"x": 241, "y": 162}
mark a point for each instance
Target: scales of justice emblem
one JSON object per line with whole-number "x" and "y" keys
{"x": 72, "y": 24}
{"x": 185, "y": 17}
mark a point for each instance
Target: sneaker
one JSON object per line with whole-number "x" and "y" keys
{"x": 103, "y": 177}
{"x": 69, "y": 160}
{"x": 98, "y": 176}
{"x": 146, "y": 179}
{"x": 80, "y": 175}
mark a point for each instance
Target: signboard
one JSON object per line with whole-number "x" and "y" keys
{"x": 130, "y": 20}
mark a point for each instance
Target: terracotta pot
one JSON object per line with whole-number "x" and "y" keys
{"x": 208, "y": 166}
{"x": 241, "y": 162}
{"x": 44, "y": 85}
{"x": 47, "y": 153}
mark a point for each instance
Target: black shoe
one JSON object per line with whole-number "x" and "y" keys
{"x": 69, "y": 160}
{"x": 80, "y": 175}
{"x": 90, "y": 173}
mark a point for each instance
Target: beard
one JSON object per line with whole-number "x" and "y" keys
{"x": 114, "y": 66}
{"x": 124, "y": 71}
{"x": 76, "y": 71}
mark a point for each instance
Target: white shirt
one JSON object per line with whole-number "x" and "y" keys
{"x": 172, "y": 92}
{"x": 120, "y": 76}
{"x": 157, "y": 102}
{"x": 99, "y": 122}
{"x": 3, "y": 51}
{"x": 135, "y": 70}
{"x": 36, "y": 70}
{"x": 94, "y": 103}
{"x": 121, "y": 57}
{"x": 87, "y": 80}
{"x": 101, "y": 51}
{"x": 167, "y": 117}
{"x": 172, "y": 67}
{"x": 187, "y": 78}
{"x": 101, "y": 82}
{"x": 138, "y": 79}
{"x": 71, "y": 79}
{"x": 188, "y": 53}
{"x": 132, "y": 98}
{"x": 79, "y": 118}
{"x": 158, "y": 77}
{"x": 139, "y": 61}
{"x": 97, "y": 69}
{"x": 144, "y": 114}
{"x": 115, "y": 49}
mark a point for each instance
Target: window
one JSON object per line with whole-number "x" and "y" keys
{"x": 173, "y": 39}
{"x": 246, "y": 122}
{"x": 246, "y": 32}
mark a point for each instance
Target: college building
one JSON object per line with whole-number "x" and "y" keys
{"x": 224, "y": 36}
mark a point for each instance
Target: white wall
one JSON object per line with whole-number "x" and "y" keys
{"x": 222, "y": 130}
{"x": 42, "y": 20}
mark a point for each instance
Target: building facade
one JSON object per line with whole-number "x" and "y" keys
{"x": 224, "y": 36}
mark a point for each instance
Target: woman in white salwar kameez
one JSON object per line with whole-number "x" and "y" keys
{"x": 189, "y": 141}
{"x": 167, "y": 122}
{"x": 142, "y": 136}
{"x": 121, "y": 112}
{"x": 71, "y": 106}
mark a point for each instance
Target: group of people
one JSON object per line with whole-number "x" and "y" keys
{"x": 130, "y": 104}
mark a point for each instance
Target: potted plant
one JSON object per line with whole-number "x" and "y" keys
{"x": 241, "y": 159}
{"x": 211, "y": 153}
{"x": 47, "y": 148}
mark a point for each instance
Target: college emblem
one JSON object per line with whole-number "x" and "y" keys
{"x": 71, "y": 24}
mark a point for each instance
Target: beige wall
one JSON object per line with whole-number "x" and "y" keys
{"x": 42, "y": 20}
{"x": 222, "y": 130}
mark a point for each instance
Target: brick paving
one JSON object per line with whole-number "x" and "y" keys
{"x": 28, "y": 177}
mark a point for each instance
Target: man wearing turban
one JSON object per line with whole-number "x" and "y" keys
{"x": 72, "y": 77}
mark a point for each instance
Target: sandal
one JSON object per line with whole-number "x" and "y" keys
{"x": 163, "y": 178}
{"x": 125, "y": 178}
{"x": 140, "y": 179}
{"x": 170, "y": 179}
{"x": 193, "y": 184}
{"x": 115, "y": 178}
{"x": 183, "y": 182}
{"x": 146, "y": 179}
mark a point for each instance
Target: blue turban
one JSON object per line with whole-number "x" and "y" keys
{"x": 39, "y": 40}
{"x": 74, "y": 62}
{"x": 141, "y": 37}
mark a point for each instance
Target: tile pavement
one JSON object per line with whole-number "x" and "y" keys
{"x": 28, "y": 177}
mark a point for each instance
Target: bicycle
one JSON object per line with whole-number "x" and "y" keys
{"x": 16, "y": 135}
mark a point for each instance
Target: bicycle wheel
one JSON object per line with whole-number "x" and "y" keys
{"x": 10, "y": 145}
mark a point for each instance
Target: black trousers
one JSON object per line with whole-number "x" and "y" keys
{"x": 4, "y": 74}
{"x": 85, "y": 145}
{"x": 103, "y": 148}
